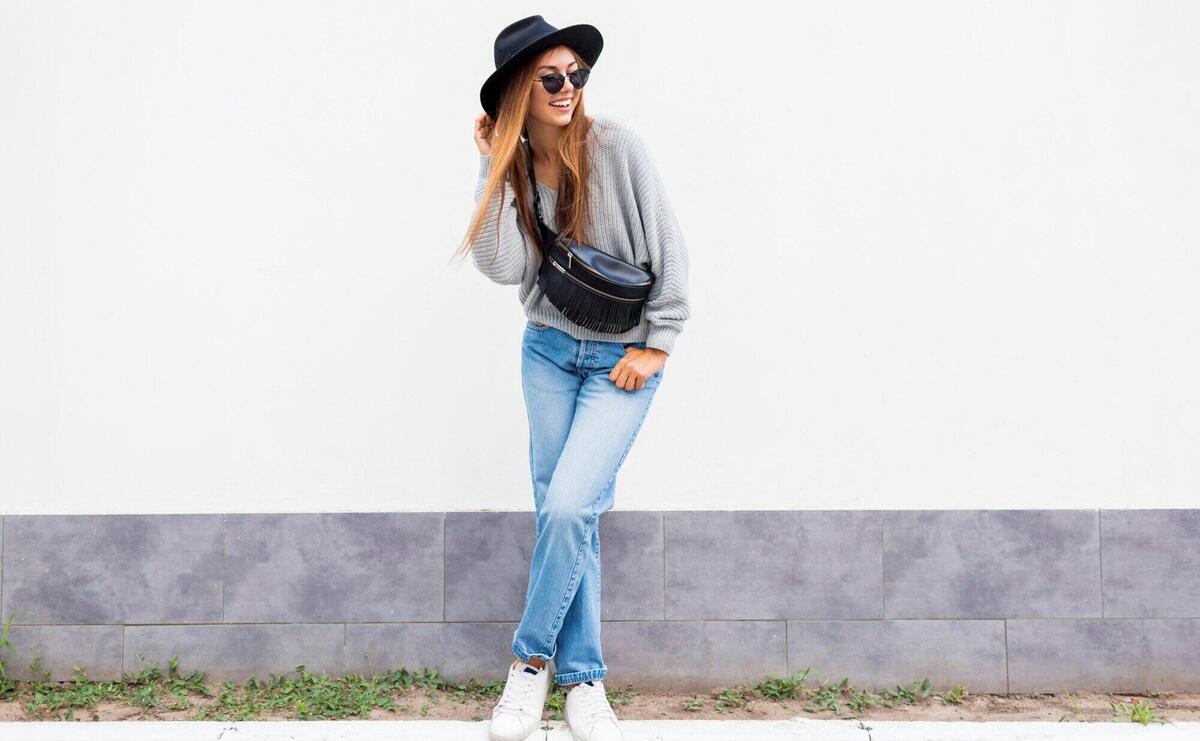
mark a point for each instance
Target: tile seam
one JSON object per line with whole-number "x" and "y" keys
{"x": 1007, "y": 678}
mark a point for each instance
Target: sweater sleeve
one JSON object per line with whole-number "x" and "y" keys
{"x": 667, "y": 306}
{"x": 508, "y": 260}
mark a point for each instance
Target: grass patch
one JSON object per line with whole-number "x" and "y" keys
{"x": 1135, "y": 711}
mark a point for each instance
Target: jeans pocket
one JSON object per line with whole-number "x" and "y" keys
{"x": 536, "y": 326}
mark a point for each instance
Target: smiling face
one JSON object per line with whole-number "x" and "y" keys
{"x": 555, "y": 109}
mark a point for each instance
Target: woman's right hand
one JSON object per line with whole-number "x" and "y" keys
{"x": 484, "y": 128}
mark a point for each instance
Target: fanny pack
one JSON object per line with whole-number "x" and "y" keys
{"x": 591, "y": 288}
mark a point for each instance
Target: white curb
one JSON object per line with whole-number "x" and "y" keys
{"x": 799, "y": 729}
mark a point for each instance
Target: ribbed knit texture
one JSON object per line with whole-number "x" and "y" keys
{"x": 632, "y": 219}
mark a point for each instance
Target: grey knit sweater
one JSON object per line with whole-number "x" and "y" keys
{"x": 632, "y": 219}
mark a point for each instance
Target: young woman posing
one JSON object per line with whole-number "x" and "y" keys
{"x": 586, "y": 391}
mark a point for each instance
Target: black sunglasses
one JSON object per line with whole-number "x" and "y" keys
{"x": 554, "y": 81}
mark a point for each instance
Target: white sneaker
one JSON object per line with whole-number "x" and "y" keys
{"x": 519, "y": 711}
{"x": 588, "y": 713}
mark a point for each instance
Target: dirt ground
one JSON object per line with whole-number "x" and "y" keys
{"x": 662, "y": 706}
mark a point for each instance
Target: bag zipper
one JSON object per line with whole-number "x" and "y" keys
{"x": 587, "y": 287}
{"x": 592, "y": 270}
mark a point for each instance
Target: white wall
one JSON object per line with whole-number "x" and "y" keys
{"x": 944, "y": 255}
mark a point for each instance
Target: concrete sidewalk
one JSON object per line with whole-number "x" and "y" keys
{"x": 805, "y": 729}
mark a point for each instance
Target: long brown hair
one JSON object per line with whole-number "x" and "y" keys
{"x": 509, "y": 161}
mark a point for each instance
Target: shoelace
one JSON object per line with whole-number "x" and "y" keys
{"x": 515, "y": 691}
{"x": 595, "y": 703}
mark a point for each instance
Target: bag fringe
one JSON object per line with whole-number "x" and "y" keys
{"x": 588, "y": 309}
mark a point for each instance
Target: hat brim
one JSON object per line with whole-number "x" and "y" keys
{"x": 584, "y": 38}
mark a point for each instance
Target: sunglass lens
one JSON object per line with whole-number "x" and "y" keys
{"x": 579, "y": 77}
{"x": 552, "y": 83}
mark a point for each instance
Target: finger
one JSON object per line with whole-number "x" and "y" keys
{"x": 631, "y": 379}
{"x": 623, "y": 379}
{"x": 632, "y": 376}
{"x": 615, "y": 373}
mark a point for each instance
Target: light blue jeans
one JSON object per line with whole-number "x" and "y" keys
{"x": 581, "y": 427}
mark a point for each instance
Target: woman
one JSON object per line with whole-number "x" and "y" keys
{"x": 586, "y": 391}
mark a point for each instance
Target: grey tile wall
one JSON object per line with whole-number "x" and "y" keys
{"x": 773, "y": 564}
{"x": 113, "y": 569}
{"x": 1105, "y": 655}
{"x": 886, "y": 653}
{"x": 999, "y": 600}
{"x": 1151, "y": 562}
{"x": 991, "y": 563}
{"x": 336, "y": 567}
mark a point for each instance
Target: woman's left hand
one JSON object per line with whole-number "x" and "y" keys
{"x": 639, "y": 363}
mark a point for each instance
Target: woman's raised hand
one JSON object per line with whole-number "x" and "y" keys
{"x": 484, "y": 127}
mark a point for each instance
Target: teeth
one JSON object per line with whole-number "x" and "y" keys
{"x": 564, "y": 104}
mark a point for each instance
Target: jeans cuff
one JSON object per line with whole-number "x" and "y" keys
{"x": 526, "y": 657}
{"x": 573, "y": 677}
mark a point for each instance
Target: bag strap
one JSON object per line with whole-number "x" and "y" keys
{"x": 548, "y": 235}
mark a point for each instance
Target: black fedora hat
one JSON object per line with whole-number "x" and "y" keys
{"x": 529, "y": 36}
